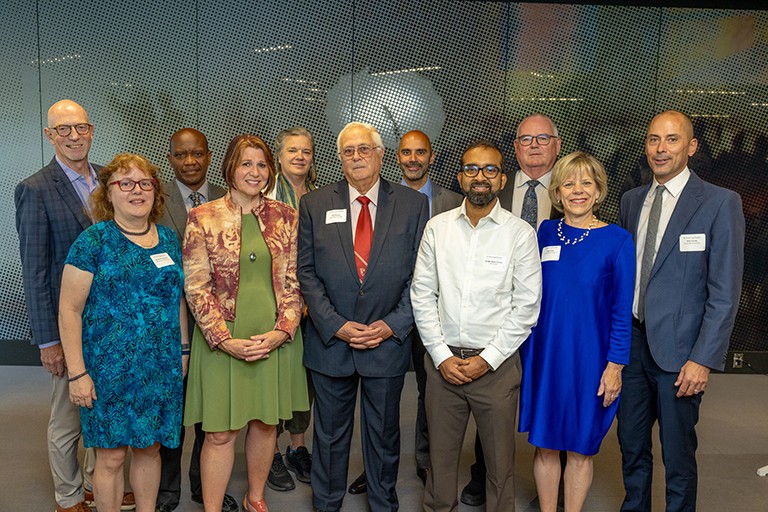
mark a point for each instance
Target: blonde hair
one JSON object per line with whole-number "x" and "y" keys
{"x": 575, "y": 164}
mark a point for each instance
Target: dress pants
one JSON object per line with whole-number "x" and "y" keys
{"x": 648, "y": 394}
{"x": 63, "y": 436}
{"x": 169, "y": 493}
{"x": 422, "y": 433}
{"x": 334, "y": 415}
{"x": 492, "y": 400}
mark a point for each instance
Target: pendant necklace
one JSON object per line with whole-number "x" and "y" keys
{"x": 574, "y": 241}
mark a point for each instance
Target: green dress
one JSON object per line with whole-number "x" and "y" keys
{"x": 225, "y": 393}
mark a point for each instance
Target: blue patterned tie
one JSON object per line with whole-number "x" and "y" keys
{"x": 196, "y": 198}
{"x": 530, "y": 212}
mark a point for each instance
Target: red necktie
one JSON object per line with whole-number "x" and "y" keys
{"x": 363, "y": 236}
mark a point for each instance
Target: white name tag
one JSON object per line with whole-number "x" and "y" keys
{"x": 335, "y": 216}
{"x": 550, "y": 253}
{"x": 492, "y": 262}
{"x": 693, "y": 243}
{"x": 162, "y": 260}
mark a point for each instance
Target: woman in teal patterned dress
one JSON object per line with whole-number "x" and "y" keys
{"x": 122, "y": 323}
{"x": 246, "y": 369}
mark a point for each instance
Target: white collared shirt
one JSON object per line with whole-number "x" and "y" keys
{"x": 355, "y": 206}
{"x": 476, "y": 287}
{"x": 186, "y": 191}
{"x": 544, "y": 205}
{"x": 669, "y": 200}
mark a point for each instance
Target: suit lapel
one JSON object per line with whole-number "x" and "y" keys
{"x": 177, "y": 211}
{"x": 633, "y": 210}
{"x": 689, "y": 202}
{"x": 340, "y": 201}
{"x": 385, "y": 209}
{"x": 67, "y": 192}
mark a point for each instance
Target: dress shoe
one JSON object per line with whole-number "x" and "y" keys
{"x": 422, "y": 473}
{"x": 473, "y": 494}
{"x": 80, "y": 507}
{"x": 229, "y": 504}
{"x": 163, "y": 508}
{"x": 254, "y": 506}
{"x": 299, "y": 461}
{"x": 279, "y": 479}
{"x": 128, "y": 503}
{"x": 359, "y": 486}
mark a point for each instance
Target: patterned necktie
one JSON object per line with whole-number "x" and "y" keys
{"x": 530, "y": 211}
{"x": 363, "y": 236}
{"x": 196, "y": 198}
{"x": 649, "y": 251}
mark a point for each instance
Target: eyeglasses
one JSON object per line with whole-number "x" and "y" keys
{"x": 65, "y": 129}
{"x": 542, "y": 139}
{"x": 364, "y": 150}
{"x": 127, "y": 184}
{"x": 489, "y": 171}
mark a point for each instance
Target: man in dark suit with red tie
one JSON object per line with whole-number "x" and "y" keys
{"x": 358, "y": 240}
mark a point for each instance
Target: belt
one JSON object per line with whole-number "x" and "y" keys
{"x": 465, "y": 353}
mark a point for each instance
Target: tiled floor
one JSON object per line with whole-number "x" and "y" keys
{"x": 733, "y": 443}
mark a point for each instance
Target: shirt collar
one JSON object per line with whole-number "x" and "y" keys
{"x": 676, "y": 185}
{"x": 496, "y": 215}
{"x": 185, "y": 190}
{"x": 372, "y": 194}
{"x": 425, "y": 189}
{"x": 521, "y": 179}
{"x": 73, "y": 175}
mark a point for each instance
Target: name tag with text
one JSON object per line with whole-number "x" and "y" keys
{"x": 693, "y": 243}
{"x": 550, "y": 253}
{"x": 335, "y": 216}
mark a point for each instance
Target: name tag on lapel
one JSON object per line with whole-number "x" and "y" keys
{"x": 335, "y": 216}
{"x": 693, "y": 243}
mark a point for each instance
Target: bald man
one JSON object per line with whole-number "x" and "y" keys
{"x": 51, "y": 211}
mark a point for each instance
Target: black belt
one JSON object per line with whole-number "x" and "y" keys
{"x": 465, "y": 353}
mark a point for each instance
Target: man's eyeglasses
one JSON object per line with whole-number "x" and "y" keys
{"x": 364, "y": 150}
{"x": 65, "y": 129}
{"x": 489, "y": 171}
{"x": 127, "y": 184}
{"x": 542, "y": 139}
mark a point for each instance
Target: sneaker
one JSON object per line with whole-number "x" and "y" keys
{"x": 128, "y": 503}
{"x": 279, "y": 478}
{"x": 300, "y": 462}
{"x": 80, "y": 507}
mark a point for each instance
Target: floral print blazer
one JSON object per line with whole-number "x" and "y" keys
{"x": 211, "y": 259}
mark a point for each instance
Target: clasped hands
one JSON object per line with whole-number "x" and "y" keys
{"x": 462, "y": 371}
{"x": 363, "y": 337}
{"x": 256, "y": 347}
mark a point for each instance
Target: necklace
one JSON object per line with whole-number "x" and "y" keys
{"x": 574, "y": 241}
{"x": 134, "y": 233}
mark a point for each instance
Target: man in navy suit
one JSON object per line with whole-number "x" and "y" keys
{"x": 51, "y": 211}
{"x": 189, "y": 157}
{"x": 689, "y": 236}
{"x": 357, "y": 246}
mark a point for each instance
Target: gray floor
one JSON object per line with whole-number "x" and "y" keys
{"x": 733, "y": 443}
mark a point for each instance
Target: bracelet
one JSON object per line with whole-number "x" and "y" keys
{"x": 186, "y": 346}
{"x": 186, "y": 352}
{"x": 73, "y": 379}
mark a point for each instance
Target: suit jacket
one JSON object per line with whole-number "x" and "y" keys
{"x": 444, "y": 199}
{"x": 507, "y": 193}
{"x": 175, "y": 215}
{"x": 692, "y": 297}
{"x": 333, "y": 292}
{"x": 49, "y": 217}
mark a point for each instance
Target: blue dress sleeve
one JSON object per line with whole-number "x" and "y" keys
{"x": 622, "y": 298}
{"x": 84, "y": 253}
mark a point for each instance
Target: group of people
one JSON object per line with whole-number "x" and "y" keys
{"x": 274, "y": 296}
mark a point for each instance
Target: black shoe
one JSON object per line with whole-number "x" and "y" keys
{"x": 300, "y": 462}
{"x": 473, "y": 494}
{"x": 229, "y": 504}
{"x": 279, "y": 478}
{"x": 422, "y": 473}
{"x": 164, "y": 508}
{"x": 359, "y": 486}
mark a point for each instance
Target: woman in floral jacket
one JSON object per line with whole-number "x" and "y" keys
{"x": 240, "y": 281}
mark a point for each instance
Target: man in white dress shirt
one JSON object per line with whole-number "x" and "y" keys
{"x": 475, "y": 296}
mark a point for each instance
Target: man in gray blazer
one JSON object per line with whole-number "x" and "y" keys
{"x": 51, "y": 212}
{"x": 189, "y": 157}
{"x": 357, "y": 246}
{"x": 690, "y": 252}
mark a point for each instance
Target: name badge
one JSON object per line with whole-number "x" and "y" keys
{"x": 335, "y": 216}
{"x": 162, "y": 260}
{"x": 493, "y": 262}
{"x": 693, "y": 243}
{"x": 550, "y": 253}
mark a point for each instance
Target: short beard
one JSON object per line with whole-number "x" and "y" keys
{"x": 481, "y": 198}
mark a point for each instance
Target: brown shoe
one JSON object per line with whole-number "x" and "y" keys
{"x": 128, "y": 503}
{"x": 80, "y": 507}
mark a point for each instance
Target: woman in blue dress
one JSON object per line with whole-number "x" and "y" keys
{"x": 573, "y": 360}
{"x": 123, "y": 328}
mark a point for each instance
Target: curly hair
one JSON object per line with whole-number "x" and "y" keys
{"x": 101, "y": 206}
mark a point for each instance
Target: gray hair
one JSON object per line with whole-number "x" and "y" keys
{"x": 295, "y": 131}
{"x": 368, "y": 127}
